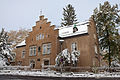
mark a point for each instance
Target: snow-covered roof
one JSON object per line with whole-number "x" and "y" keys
{"x": 67, "y": 31}
{"x": 21, "y": 44}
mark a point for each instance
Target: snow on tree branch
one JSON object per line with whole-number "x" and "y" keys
{"x": 66, "y": 58}
{"x": 4, "y": 48}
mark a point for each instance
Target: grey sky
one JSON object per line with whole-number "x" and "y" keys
{"x": 16, "y": 14}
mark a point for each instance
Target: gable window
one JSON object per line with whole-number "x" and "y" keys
{"x": 37, "y": 37}
{"x": 73, "y": 46}
{"x": 23, "y": 54}
{"x": 47, "y": 48}
{"x": 32, "y": 51}
{"x": 40, "y": 36}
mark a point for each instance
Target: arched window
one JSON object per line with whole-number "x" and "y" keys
{"x": 73, "y": 46}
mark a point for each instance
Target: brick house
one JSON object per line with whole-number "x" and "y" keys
{"x": 45, "y": 41}
{"x": 20, "y": 54}
{"x": 84, "y": 39}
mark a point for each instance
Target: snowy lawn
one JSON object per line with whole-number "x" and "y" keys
{"x": 57, "y": 74}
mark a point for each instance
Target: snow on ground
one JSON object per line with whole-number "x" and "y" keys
{"x": 57, "y": 74}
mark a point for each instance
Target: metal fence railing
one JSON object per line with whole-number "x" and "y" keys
{"x": 64, "y": 68}
{"x": 14, "y": 67}
{"x": 82, "y": 69}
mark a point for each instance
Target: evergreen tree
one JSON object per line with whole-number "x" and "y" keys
{"x": 69, "y": 16}
{"x": 107, "y": 20}
{"x": 4, "y": 48}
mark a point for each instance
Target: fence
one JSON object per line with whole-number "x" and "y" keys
{"x": 64, "y": 68}
{"x": 82, "y": 69}
{"x": 14, "y": 67}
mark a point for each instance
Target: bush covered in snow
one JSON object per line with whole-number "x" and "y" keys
{"x": 4, "y": 48}
{"x": 66, "y": 58}
{"x": 74, "y": 57}
{"x": 115, "y": 62}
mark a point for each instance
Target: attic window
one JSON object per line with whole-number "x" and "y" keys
{"x": 40, "y": 27}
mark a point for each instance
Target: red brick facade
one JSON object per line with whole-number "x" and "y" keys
{"x": 42, "y": 45}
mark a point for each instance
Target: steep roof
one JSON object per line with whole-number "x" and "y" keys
{"x": 21, "y": 44}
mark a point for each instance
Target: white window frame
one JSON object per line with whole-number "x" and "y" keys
{"x": 40, "y": 36}
{"x": 14, "y": 57}
{"x": 23, "y": 54}
{"x": 30, "y": 64}
{"x": 96, "y": 49}
{"x": 37, "y": 37}
{"x": 46, "y": 48}
{"x": 94, "y": 36}
{"x": 73, "y": 46}
{"x": 32, "y": 51}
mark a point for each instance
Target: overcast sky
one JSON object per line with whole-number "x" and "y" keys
{"x": 16, "y": 14}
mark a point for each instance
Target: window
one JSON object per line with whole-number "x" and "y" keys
{"x": 32, "y": 51}
{"x": 13, "y": 54}
{"x": 94, "y": 36}
{"x": 96, "y": 50}
{"x": 48, "y": 36}
{"x": 73, "y": 46}
{"x": 37, "y": 37}
{"x": 23, "y": 54}
{"x": 32, "y": 64}
{"x": 46, "y": 62}
{"x": 39, "y": 49}
{"x": 47, "y": 48}
{"x": 40, "y": 27}
{"x": 40, "y": 36}
{"x": 32, "y": 39}
{"x": 44, "y": 48}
